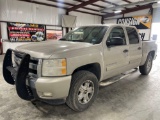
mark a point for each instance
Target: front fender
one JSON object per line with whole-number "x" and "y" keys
{"x": 85, "y": 59}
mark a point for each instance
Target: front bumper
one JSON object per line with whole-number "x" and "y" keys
{"x": 51, "y": 87}
{"x": 28, "y": 87}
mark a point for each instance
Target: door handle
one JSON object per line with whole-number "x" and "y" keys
{"x": 125, "y": 51}
{"x": 139, "y": 48}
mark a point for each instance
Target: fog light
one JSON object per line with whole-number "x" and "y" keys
{"x": 47, "y": 94}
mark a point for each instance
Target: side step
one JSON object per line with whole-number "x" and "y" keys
{"x": 117, "y": 78}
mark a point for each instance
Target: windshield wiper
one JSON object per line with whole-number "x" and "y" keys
{"x": 76, "y": 40}
{"x": 63, "y": 39}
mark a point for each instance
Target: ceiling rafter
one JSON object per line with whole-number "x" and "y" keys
{"x": 91, "y": 4}
{"x": 61, "y": 2}
{"x": 88, "y": 13}
{"x": 111, "y": 3}
{"x": 66, "y": 3}
{"x": 69, "y": 6}
{"x": 57, "y": 6}
{"x": 127, "y": 1}
{"x": 81, "y": 5}
{"x": 129, "y": 10}
{"x": 97, "y": 5}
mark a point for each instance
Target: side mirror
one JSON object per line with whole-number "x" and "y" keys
{"x": 108, "y": 43}
{"x": 115, "y": 41}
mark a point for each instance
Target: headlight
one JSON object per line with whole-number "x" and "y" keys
{"x": 55, "y": 67}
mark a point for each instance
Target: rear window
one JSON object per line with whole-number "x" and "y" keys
{"x": 133, "y": 35}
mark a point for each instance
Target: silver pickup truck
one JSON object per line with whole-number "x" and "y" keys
{"x": 70, "y": 70}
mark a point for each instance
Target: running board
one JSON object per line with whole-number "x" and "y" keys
{"x": 117, "y": 78}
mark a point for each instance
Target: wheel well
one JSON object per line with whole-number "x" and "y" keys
{"x": 152, "y": 53}
{"x": 94, "y": 68}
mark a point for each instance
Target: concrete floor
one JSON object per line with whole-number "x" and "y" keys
{"x": 136, "y": 97}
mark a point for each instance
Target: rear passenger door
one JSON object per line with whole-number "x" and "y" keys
{"x": 135, "y": 47}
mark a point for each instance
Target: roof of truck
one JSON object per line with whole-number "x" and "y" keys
{"x": 110, "y": 25}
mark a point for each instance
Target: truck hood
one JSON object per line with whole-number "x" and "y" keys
{"x": 48, "y": 48}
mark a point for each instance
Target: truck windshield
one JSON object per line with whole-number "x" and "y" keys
{"x": 93, "y": 34}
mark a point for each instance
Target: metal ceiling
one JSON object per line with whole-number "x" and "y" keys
{"x": 103, "y": 8}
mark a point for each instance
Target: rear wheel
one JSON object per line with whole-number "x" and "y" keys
{"x": 146, "y": 68}
{"x": 83, "y": 91}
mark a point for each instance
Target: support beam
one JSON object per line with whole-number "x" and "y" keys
{"x": 88, "y": 13}
{"x": 127, "y": 1}
{"x": 82, "y": 5}
{"x": 67, "y": 29}
{"x": 102, "y": 20}
{"x": 92, "y": 4}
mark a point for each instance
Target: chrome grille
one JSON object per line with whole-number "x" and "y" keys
{"x": 32, "y": 64}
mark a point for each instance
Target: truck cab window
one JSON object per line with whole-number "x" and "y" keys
{"x": 117, "y": 36}
{"x": 132, "y": 35}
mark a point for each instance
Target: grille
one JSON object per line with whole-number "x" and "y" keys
{"x": 32, "y": 64}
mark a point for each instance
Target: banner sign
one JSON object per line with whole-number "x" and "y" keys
{"x": 142, "y": 23}
{"x": 26, "y": 32}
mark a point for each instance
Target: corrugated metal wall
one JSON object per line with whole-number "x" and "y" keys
{"x": 17, "y": 11}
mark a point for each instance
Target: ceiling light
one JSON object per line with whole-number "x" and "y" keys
{"x": 118, "y": 11}
{"x": 158, "y": 2}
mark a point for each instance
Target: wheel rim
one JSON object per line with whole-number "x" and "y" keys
{"x": 149, "y": 64}
{"x": 86, "y": 92}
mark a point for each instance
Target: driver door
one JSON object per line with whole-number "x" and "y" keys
{"x": 116, "y": 56}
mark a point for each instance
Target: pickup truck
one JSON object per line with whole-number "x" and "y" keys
{"x": 71, "y": 69}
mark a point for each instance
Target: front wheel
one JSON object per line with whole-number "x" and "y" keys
{"x": 83, "y": 91}
{"x": 146, "y": 68}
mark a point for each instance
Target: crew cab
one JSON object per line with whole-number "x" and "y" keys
{"x": 70, "y": 70}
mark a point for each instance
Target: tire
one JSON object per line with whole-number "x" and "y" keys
{"x": 83, "y": 84}
{"x": 146, "y": 68}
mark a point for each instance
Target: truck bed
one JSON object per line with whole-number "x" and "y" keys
{"x": 148, "y": 46}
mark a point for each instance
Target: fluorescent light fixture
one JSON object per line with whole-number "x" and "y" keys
{"x": 118, "y": 11}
